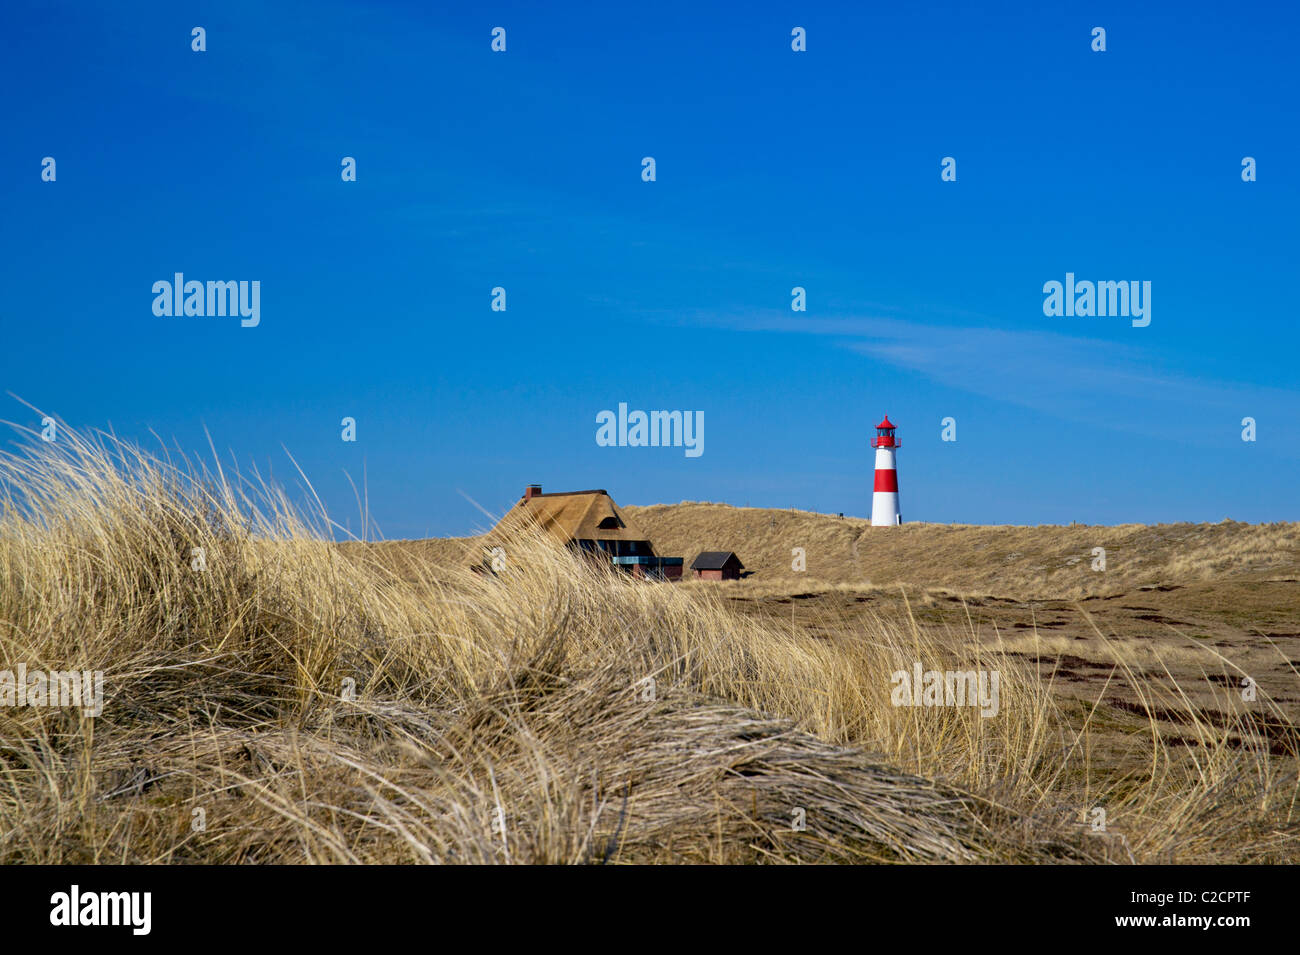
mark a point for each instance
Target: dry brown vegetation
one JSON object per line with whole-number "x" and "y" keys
{"x": 1030, "y": 562}
{"x": 510, "y": 718}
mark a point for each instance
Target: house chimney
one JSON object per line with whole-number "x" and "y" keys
{"x": 532, "y": 491}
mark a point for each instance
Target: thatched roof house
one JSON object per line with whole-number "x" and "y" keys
{"x": 589, "y": 521}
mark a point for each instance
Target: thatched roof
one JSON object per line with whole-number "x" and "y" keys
{"x": 570, "y": 515}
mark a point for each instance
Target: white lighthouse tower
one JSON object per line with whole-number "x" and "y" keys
{"x": 884, "y": 499}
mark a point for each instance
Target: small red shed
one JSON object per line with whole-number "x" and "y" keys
{"x": 717, "y": 565}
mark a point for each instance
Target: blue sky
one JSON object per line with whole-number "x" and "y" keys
{"x": 775, "y": 169}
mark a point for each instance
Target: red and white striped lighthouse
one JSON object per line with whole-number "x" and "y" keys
{"x": 884, "y": 499}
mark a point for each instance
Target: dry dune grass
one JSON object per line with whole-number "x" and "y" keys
{"x": 1044, "y": 561}
{"x": 510, "y": 718}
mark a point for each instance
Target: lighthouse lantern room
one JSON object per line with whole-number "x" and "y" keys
{"x": 884, "y": 497}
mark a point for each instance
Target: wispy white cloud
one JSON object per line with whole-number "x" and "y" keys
{"x": 1125, "y": 387}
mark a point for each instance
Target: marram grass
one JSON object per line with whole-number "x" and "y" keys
{"x": 271, "y": 696}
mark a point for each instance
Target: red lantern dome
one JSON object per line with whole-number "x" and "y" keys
{"x": 885, "y": 435}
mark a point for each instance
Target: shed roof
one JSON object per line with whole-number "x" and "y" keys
{"x": 715, "y": 560}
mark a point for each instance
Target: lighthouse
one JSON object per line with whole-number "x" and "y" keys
{"x": 884, "y": 499}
